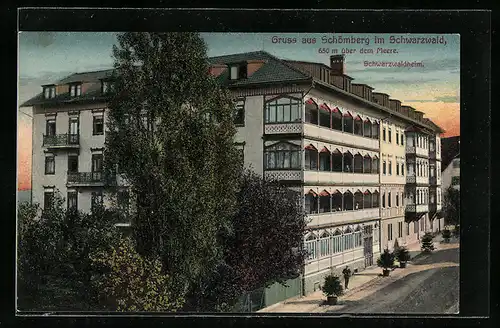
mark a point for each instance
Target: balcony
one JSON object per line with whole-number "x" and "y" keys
{"x": 61, "y": 141}
{"x": 433, "y": 207}
{"x": 335, "y": 136}
{"x": 283, "y": 128}
{"x": 283, "y": 175}
{"x": 414, "y": 208}
{"x": 340, "y": 177}
{"x": 90, "y": 179}
{"x": 330, "y": 218}
{"x": 412, "y": 150}
{"x": 412, "y": 179}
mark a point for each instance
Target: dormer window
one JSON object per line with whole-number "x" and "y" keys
{"x": 49, "y": 92}
{"x": 238, "y": 71}
{"x": 105, "y": 86}
{"x": 75, "y": 90}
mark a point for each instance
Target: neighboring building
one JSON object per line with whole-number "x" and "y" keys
{"x": 362, "y": 161}
{"x": 451, "y": 163}
{"x": 23, "y": 196}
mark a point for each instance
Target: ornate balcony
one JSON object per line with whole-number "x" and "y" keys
{"x": 61, "y": 141}
{"x": 414, "y": 208}
{"x": 412, "y": 150}
{"x": 283, "y": 175}
{"x": 412, "y": 179}
{"x": 283, "y": 128}
{"x": 90, "y": 179}
{"x": 342, "y": 217}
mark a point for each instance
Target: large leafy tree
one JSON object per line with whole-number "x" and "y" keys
{"x": 264, "y": 245}
{"x": 171, "y": 137}
{"x": 451, "y": 206}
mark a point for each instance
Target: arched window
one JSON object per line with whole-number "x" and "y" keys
{"x": 375, "y": 130}
{"x": 324, "y": 116}
{"x": 348, "y": 239}
{"x": 311, "y": 202}
{"x": 358, "y": 163}
{"x": 324, "y": 160}
{"x": 367, "y": 164}
{"x": 311, "y": 112}
{"x": 358, "y": 238}
{"x": 367, "y": 199}
{"x": 337, "y": 241}
{"x": 337, "y": 161}
{"x": 324, "y": 202}
{"x": 336, "y": 201}
{"x": 348, "y": 123}
{"x": 336, "y": 119}
{"x": 367, "y": 128}
{"x": 283, "y": 110}
{"x": 324, "y": 244}
{"x": 348, "y": 162}
{"x": 311, "y": 247}
{"x": 311, "y": 158}
{"x": 358, "y": 126}
{"x": 282, "y": 156}
{"x": 375, "y": 199}
{"x": 358, "y": 200}
{"x": 375, "y": 165}
{"x": 348, "y": 201}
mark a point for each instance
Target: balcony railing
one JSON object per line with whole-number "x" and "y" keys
{"x": 61, "y": 140}
{"x": 90, "y": 179}
{"x": 417, "y": 208}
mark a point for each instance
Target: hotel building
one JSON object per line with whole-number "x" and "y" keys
{"x": 363, "y": 162}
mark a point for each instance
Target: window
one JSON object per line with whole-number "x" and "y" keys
{"x": 383, "y": 200}
{"x": 337, "y": 242}
{"x": 384, "y": 168}
{"x": 72, "y": 163}
{"x": 105, "y": 86}
{"x": 97, "y": 160}
{"x": 358, "y": 163}
{"x": 358, "y": 200}
{"x": 49, "y": 92}
{"x": 348, "y": 240}
{"x": 432, "y": 146}
{"x": 311, "y": 203}
{"x": 238, "y": 71}
{"x": 397, "y": 137}
{"x": 50, "y": 165}
{"x": 348, "y": 123}
{"x": 390, "y": 167}
{"x": 402, "y": 169}
{"x": 375, "y": 165}
{"x": 324, "y": 116}
{"x": 456, "y": 163}
{"x": 415, "y": 226}
{"x": 324, "y": 245}
{"x": 311, "y": 158}
{"x": 367, "y": 164}
{"x": 407, "y": 229}
{"x": 375, "y": 130}
{"x": 375, "y": 199}
{"x": 389, "y": 199}
{"x": 312, "y": 112}
{"x": 239, "y": 113}
{"x": 48, "y": 197}
{"x": 390, "y": 136}
{"x": 97, "y": 200}
{"x": 389, "y": 231}
{"x": 402, "y": 137}
{"x": 358, "y": 126}
{"x": 367, "y": 199}
{"x": 75, "y": 90}
{"x": 337, "y": 161}
{"x": 337, "y": 201}
{"x": 311, "y": 247}
{"x": 397, "y": 168}
{"x": 400, "y": 229}
{"x": 98, "y": 126}
{"x": 283, "y": 110}
{"x": 72, "y": 200}
{"x": 348, "y": 201}
{"x": 367, "y": 128}
{"x": 397, "y": 199}
{"x": 324, "y": 202}
{"x": 358, "y": 238}
{"x": 455, "y": 181}
{"x": 375, "y": 233}
{"x": 383, "y": 134}
{"x": 348, "y": 162}
{"x": 324, "y": 160}
{"x": 50, "y": 127}
{"x": 336, "y": 119}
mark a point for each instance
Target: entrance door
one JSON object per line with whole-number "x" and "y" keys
{"x": 73, "y": 130}
{"x": 368, "y": 251}
{"x": 97, "y": 167}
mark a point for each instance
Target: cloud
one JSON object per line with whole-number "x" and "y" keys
{"x": 445, "y": 99}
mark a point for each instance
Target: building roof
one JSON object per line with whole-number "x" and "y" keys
{"x": 450, "y": 149}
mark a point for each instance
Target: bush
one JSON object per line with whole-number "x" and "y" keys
{"x": 332, "y": 286}
{"x": 402, "y": 254}
{"x": 427, "y": 244}
{"x": 446, "y": 235}
{"x": 386, "y": 259}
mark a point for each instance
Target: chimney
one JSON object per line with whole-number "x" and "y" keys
{"x": 337, "y": 64}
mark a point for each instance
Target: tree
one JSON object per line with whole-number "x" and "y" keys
{"x": 386, "y": 261}
{"x": 451, "y": 206}
{"x": 55, "y": 244}
{"x": 172, "y": 138}
{"x": 427, "y": 244}
{"x": 131, "y": 282}
{"x": 264, "y": 245}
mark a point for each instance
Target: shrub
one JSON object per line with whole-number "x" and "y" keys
{"x": 332, "y": 286}
{"x": 446, "y": 235}
{"x": 427, "y": 244}
{"x": 402, "y": 254}
{"x": 386, "y": 259}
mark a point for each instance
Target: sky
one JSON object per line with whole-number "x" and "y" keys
{"x": 45, "y": 57}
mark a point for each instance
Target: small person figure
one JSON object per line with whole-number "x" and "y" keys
{"x": 347, "y": 274}
{"x": 357, "y": 206}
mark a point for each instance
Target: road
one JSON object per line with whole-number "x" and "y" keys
{"x": 430, "y": 285}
